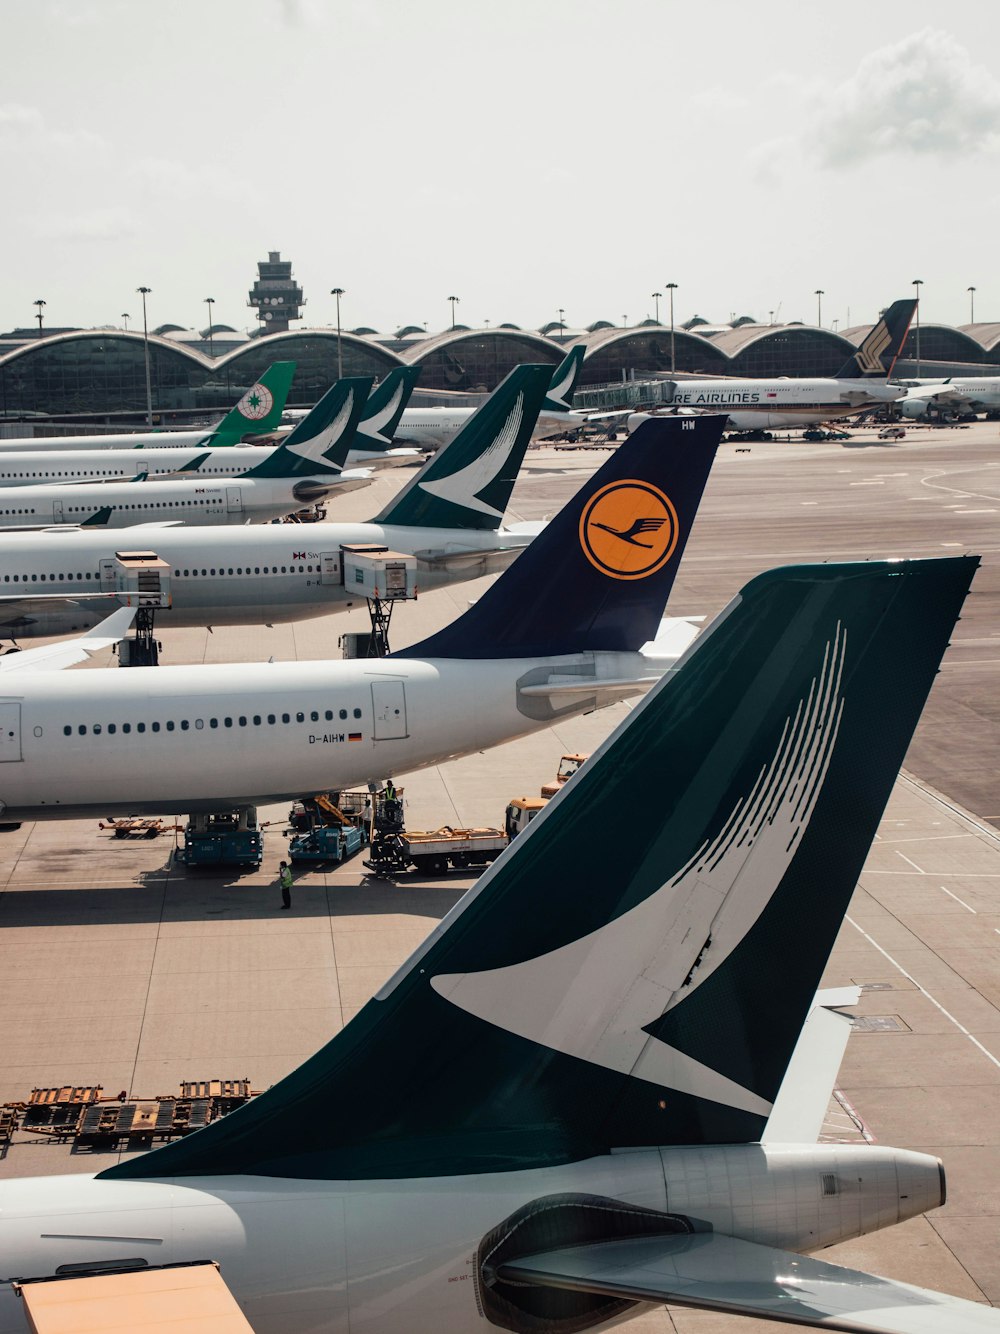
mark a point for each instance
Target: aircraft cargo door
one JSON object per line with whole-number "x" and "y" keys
{"x": 330, "y": 567}
{"x": 389, "y": 701}
{"x": 234, "y": 500}
{"x": 10, "y": 732}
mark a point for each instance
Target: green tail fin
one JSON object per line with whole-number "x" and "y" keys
{"x": 260, "y": 408}
{"x": 468, "y": 483}
{"x": 591, "y": 992}
{"x": 321, "y": 441}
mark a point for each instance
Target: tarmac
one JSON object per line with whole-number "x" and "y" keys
{"x": 118, "y": 967}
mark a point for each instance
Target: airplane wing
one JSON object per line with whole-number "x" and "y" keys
{"x": 53, "y": 657}
{"x": 456, "y": 557}
{"x": 566, "y": 689}
{"x": 710, "y": 1271}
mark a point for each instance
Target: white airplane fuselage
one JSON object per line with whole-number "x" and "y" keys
{"x": 401, "y": 1256}
{"x": 186, "y": 500}
{"x": 213, "y": 737}
{"x": 120, "y": 440}
{"x": 952, "y": 398}
{"x": 27, "y": 468}
{"x": 227, "y": 575}
{"x": 433, "y": 428}
{"x": 775, "y": 404}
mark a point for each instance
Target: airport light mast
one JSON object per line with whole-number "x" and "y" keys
{"x": 656, "y": 297}
{"x": 39, "y": 304}
{"x": 145, "y": 291}
{"x": 454, "y": 302}
{"x": 972, "y": 304}
{"x": 126, "y": 317}
{"x": 210, "y": 302}
{"x": 338, "y": 292}
{"x": 562, "y": 325}
{"x": 819, "y": 295}
{"x": 671, "y": 289}
{"x": 918, "y": 283}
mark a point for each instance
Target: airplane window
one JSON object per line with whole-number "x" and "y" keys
{"x": 140, "y": 727}
{"x": 228, "y": 722}
{"x": 284, "y": 569}
{"x": 271, "y": 718}
{"x": 170, "y": 725}
{"x": 256, "y": 569}
{"x": 96, "y": 728}
{"x": 184, "y": 725}
{"x": 155, "y": 726}
{"x": 213, "y": 722}
{"x": 329, "y": 715}
{"x": 343, "y": 713}
{"x": 243, "y": 721}
{"x": 212, "y": 572}
{"x": 199, "y": 723}
{"x": 112, "y": 728}
{"x": 256, "y": 720}
{"x": 67, "y": 730}
{"x": 82, "y": 730}
{"x": 300, "y": 717}
{"x": 357, "y": 713}
{"x": 314, "y": 716}
{"x": 286, "y": 717}
{"x": 126, "y": 727}
{"x": 34, "y": 578}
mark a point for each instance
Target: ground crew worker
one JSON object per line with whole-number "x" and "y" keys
{"x": 285, "y": 881}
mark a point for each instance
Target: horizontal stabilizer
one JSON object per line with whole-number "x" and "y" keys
{"x": 53, "y": 657}
{"x": 713, "y": 1272}
{"x": 804, "y": 1097}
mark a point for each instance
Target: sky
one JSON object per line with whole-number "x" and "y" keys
{"x": 525, "y": 156}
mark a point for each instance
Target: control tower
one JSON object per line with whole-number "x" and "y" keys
{"x": 276, "y": 295}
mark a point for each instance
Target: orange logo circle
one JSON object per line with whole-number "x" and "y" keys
{"x": 629, "y": 530}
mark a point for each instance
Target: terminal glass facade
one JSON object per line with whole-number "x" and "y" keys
{"x": 315, "y": 357}
{"x": 812, "y": 352}
{"x": 636, "y": 354}
{"x": 480, "y": 361}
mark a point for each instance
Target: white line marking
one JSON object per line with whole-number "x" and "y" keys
{"x": 957, "y": 899}
{"x": 911, "y": 863}
{"x": 924, "y": 992}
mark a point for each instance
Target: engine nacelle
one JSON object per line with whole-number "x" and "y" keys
{"x": 914, "y": 407}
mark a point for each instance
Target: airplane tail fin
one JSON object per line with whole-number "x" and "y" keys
{"x": 260, "y": 408}
{"x": 563, "y": 383}
{"x": 467, "y": 484}
{"x": 385, "y": 407}
{"x": 878, "y": 352}
{"x": 320, "y": 442}
{"x": 599, "y": 575}
{"x": 591, "y": 992}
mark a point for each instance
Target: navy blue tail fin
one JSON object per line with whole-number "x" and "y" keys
{"x": 877, "y": 354}
{"x": 593, "y": 993}
{"x": 599, "y": 575}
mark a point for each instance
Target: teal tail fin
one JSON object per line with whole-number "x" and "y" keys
{"x": 321, "y": 441}
{"x": 260, "y": 408}
{"x": 592, "y": 993}
{"x": 468, "y": 483}
{"x": 385, "y": 407}
{"x": 560, "y": 393}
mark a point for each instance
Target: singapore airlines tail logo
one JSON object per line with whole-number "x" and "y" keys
{"x": 869, "y": 354}
{"x": 629, "y": 530}
{"x": 256, "y": 403}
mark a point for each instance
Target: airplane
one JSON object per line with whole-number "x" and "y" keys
{"x": 62, "y": 580}
{"x": 573, "y": 624}
{"x": 952, "y": 399}
{"x": 751, "y": 405}
{"x": 555, "y": 1119}
{"x": 372, "y": 447}
{"x": 304, "y": 469}
{"x": 431, "y": 428}
{"x": 258, "y": 411}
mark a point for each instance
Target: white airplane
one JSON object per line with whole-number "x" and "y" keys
{"x": 372, "y": 447}
{"x": 304, "y": 469}
{"x": 258, "y": 411}
{"x": 750, "y": 405}
{"x": 62, "y": 580}
{"x": 431, "y": 428}
{"x": 561, "y": 632}
{"x": 556, "y": 1113}
{"x": 952, "y": 399}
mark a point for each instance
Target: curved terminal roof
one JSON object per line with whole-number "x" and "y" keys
{"x": 613, "y": 353}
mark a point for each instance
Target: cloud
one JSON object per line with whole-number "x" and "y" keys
{"x": 17, "y": 121}
{"x": 922, "y": 96}
{"x": 104, "y": 224}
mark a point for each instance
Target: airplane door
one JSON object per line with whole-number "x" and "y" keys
{"x": 109, "y": 584}
{"x": 10, "y": 732}
{"x": 234, "y": 500}
{"x": 58, "y": 512}
{"x": 329, "y": 567}
{"x": 389, "y": 701}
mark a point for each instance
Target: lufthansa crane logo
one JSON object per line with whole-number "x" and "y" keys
{"x": 255, "y": 403}
{"x": 629, "y": 530}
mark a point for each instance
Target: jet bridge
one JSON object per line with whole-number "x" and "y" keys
{"x": 140, "y": 579}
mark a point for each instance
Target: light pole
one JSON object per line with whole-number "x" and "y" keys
{"x": 210, "y": 302}
{"x": 145, "y": 291}
{"x": 562, "y": 325}
{"x": 972, "y": 305}
{"x": 487, "y": 323}
{"x": 819, "y": 295}
{"x": 656, "y": 297}
{"x": 454, "y": 302}
{"x": 918, "y": 283}
{"x": 39, "y": 304}
{"x": 338, "y": 292}
{"x": 126, "y": 317}
{"x": 671, "y": 289}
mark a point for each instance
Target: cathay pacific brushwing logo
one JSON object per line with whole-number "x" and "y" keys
{"x": 559, "y": 388}
{"x": 318, "y": 446}
{"x": 463, "y": 487}
{"x": 629, "y": 529}
{"x": 597, "y": 997}
{"x": 256, "y": 403}
{"x": 375, "y": 425}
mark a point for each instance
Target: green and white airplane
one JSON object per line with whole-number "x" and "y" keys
{"x": 556, "y": 1112}
{"x": 257, "y": 412}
